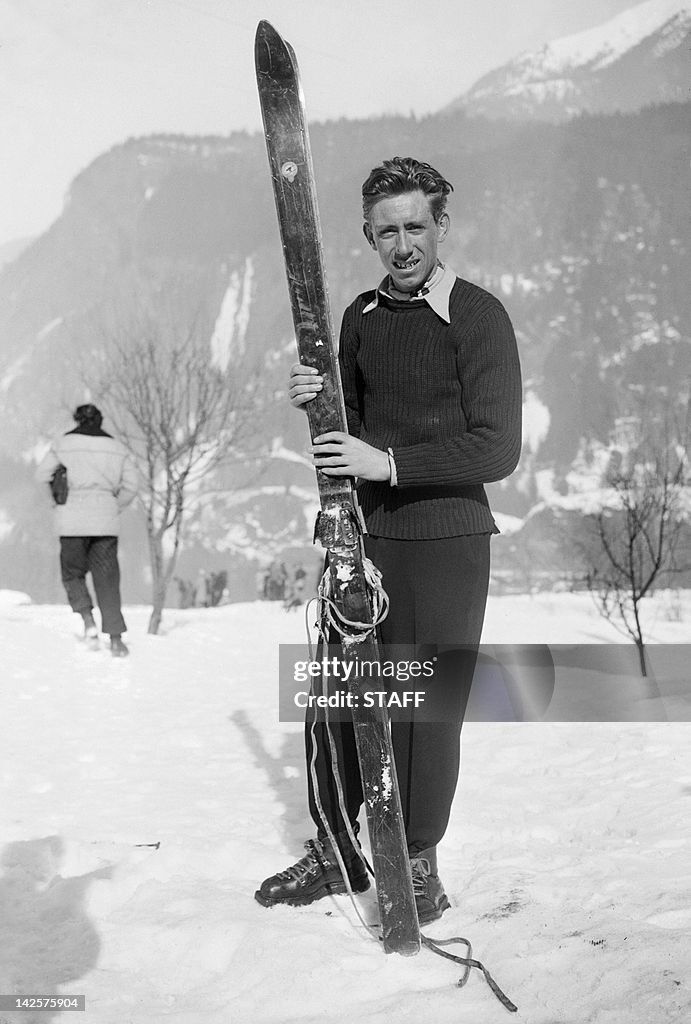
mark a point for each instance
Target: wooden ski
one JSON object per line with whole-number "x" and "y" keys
{"x": 338, "y": 525}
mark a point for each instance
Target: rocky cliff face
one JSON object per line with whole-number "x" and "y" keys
{"x": 581, "y": 228}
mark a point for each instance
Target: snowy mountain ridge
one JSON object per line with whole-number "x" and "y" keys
{"x": 604, "y": 44}
{"x": 634, "y": 59}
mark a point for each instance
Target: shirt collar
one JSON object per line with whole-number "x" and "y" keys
{"x": 437, "y": 297}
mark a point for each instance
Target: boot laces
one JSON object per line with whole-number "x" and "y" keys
{"x": 421, "y": 870}
{"x": 307, "y": 863}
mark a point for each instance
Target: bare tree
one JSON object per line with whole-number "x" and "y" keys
{"x": 181, "y": 407}
{"x": 638, "y": 533}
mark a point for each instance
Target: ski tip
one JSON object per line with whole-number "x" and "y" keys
{"x": 265, "y": 29}
{"x": 266, "y": 40}
{"x": 272, "y": 54}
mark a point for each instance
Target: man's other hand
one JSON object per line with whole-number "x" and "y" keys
{"x": 304, "y": 385}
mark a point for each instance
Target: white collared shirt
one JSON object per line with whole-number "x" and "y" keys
{"x": 436, "y": 295}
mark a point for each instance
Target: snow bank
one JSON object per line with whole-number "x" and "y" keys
{"x": 143, "y": 801}
{"x": 11, "y": 598}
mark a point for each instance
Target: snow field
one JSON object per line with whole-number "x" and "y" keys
{"x": 566, "y": 859}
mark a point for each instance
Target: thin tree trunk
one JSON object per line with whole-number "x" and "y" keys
{"x": 162, "y": 572}
{"x": 158, "y": 582}
{"x": 159, "y": 600}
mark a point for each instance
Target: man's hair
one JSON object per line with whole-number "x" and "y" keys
{"x": 88, "y": 415}
{"x": 405, "y": 174}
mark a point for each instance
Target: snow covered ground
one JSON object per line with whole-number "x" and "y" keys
{"x": 143, "y": 800}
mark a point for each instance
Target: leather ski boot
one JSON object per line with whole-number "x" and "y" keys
{"x": 430, "y": 899}
{"x": 315, "y": 875}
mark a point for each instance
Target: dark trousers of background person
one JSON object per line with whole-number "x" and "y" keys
{"x": 438, "y": 593}
{"x": 99, "y": 556}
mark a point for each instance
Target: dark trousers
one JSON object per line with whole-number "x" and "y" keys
{"x": 438, "y": 593}
{"x": 99, "y": 556}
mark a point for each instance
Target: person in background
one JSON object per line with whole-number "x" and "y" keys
{"x": 101, "y": 482}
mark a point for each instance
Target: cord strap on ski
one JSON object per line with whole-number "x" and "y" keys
{"x": 325, "y": 821}
{"x": 327, "y": 611}
{"x": 330, "y": 615}
{"x": 340, "y": 527}
{"x": 467, "y": 962}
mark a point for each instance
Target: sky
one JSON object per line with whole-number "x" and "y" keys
{"x": 80, "y": 76}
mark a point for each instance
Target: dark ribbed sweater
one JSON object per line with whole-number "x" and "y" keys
{"x": 445, "y": 397}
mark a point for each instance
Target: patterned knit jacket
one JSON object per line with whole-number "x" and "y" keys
{"x": 446, "y": 398}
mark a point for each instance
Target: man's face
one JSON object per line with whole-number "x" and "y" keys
{"x": 405, "y": 234}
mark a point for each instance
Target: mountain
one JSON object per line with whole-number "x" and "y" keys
{"x": 638, "y": 58}
{"x": 9, "y": 251}
{"x": 581, "y": 228}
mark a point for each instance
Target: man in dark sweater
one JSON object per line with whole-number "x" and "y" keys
{"x": 432, "y": 386}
